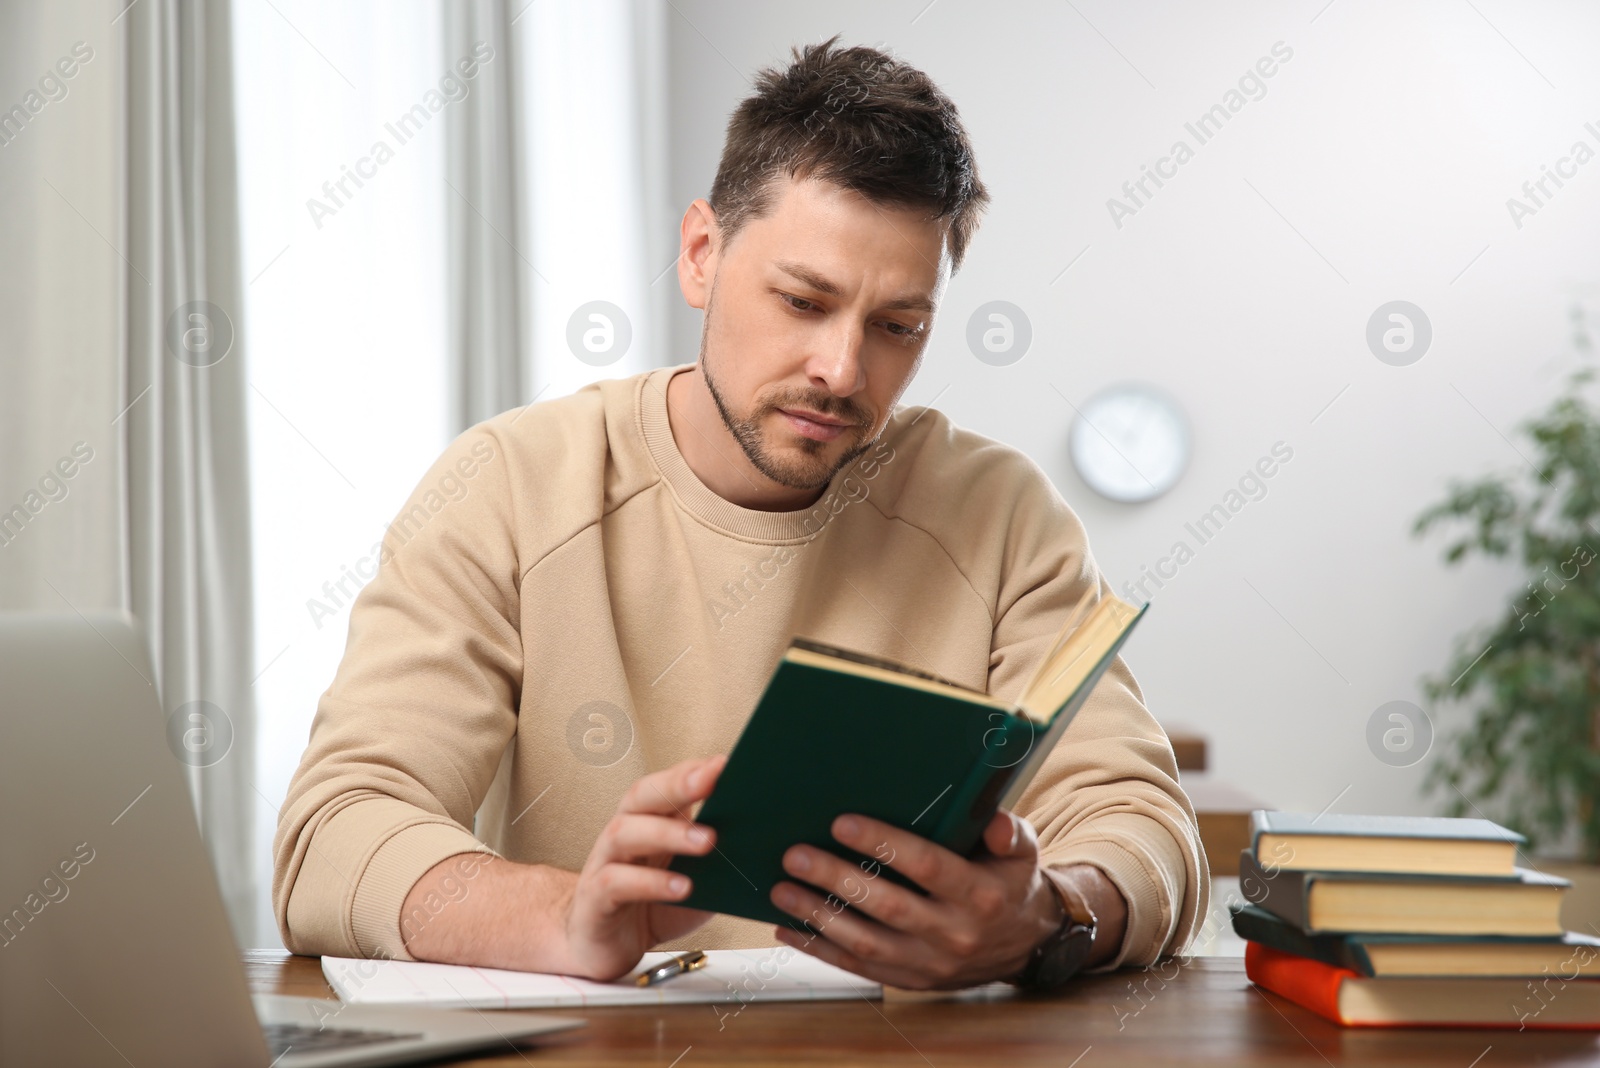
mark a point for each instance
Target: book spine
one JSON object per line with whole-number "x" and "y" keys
{"x": 1282, "y": 893}
{"x": 1013, "y": 752}
{"x": 1336, "y": 951}
{"x": 1260, "y": 822}
{"x": 1310, "y": 984}
{"x": 1007, "y": 749}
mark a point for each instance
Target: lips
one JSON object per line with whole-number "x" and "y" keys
{"x": 813, "y": 417}
{"x": 813, "y": 426}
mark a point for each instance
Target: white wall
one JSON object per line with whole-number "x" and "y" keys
{"x": 1389, "y": 143}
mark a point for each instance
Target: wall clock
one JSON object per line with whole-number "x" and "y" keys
{"x": 1130, "y": 442}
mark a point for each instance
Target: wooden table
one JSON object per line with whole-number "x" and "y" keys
{"x": 1205, "y": 1012}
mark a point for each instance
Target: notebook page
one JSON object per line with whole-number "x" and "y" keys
{"x": 776, "y": 973}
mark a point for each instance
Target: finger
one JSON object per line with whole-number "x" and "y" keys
{"x": 1000, "y": 835}
{"x": 635, "y": 836}
{"x": 896, "y": 907}
{"x": 824, "y": 950}
{"x": 930, "y": 865}
{"x": 1009, "y": 835}
{"x": 671, "y": 791}
{"x": 866, "y": 941}
{"x": 616, "y": 886}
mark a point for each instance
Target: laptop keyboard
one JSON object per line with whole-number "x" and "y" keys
{"x": 283, "y": 1037}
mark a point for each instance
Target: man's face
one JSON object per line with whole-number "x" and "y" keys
{"x": 822, "y": 306}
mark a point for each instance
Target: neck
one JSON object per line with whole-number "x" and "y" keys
{"x": 715, "y": 456}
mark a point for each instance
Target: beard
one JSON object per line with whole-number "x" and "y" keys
{"x": 810, "y": 469}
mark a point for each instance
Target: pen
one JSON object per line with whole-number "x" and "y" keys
{"x": 688, "y": 962}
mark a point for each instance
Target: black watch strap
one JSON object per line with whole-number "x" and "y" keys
{"x": 1063, "y": 953}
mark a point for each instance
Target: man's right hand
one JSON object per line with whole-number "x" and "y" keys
{"x": 596, "y": 923}
{"x": 621, "y": 904}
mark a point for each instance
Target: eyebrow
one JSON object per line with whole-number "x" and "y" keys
{"x": 832, "y": 289}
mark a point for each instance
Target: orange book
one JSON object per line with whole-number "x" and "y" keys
{"x": 1353, "y": 1000}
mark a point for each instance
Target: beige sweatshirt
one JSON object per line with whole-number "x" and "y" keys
{"x": 562, "y": 606}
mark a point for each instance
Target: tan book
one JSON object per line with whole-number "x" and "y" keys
{"x": 1523, "y": 903}
{"x": 1424, "y": 845}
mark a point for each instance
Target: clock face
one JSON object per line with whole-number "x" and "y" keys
{"x": 1130, "y": 443}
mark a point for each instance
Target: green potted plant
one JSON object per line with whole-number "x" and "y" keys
{"x": 1530, "y": 757}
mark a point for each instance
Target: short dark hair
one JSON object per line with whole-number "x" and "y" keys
{"x": 857, "y": 117}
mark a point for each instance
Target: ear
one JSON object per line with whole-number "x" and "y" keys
{"x": 698, "y": 248}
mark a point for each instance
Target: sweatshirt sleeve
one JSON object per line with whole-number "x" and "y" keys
{"x": 1108, "y": 794}
{"x": 407, "y": 738}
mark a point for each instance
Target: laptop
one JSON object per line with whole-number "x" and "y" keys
{"x": 115, "y": 948}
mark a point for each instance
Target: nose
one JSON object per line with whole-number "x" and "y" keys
{"x": 838, "y": 367}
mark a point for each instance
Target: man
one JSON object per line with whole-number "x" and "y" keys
{"x": 566, "y": 642}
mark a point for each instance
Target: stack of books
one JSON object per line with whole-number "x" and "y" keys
{"x": 1394, "y": 921}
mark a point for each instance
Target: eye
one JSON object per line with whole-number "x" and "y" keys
{"x": 797, "y": 302}
{"x": 902, "y": 332}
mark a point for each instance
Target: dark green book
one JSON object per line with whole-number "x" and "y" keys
{"x": 837, "y": 731}
{"x": 1425, "y": 845}
{"x": 1372, "y": 902}
{"x": 1389, "y": 955}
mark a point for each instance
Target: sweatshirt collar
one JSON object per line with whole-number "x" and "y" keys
{"x": 702, "y": 500}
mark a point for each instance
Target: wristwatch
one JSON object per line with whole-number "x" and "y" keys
{"x": 1060, "y": 956}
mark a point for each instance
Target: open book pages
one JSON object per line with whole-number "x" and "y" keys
{"x": 1090, "y": 631}
{"x": 1092, "y": 627}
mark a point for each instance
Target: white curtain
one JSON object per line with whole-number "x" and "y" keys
{"x": 485, "y": 204}
{"x": 187, "y": 523}
{"x": 124, "y": 288}
{"x": 591, "y": 79}
{"x": 347, "y": 331}
{"x": 557, "y": 176}
{"x": 60, "y": 275}
{"x": 564, "y": 157}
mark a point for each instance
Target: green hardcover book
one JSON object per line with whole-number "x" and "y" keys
{"x": 837, "y": 731}
{"x": 1380, "y": 902}
{"x": 1422, "y": 845}
{"x": 1410, "y": 955}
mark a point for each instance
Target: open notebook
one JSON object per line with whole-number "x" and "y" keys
{"x": 777, "y": 973}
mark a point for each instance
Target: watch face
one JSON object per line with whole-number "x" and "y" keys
{"x": 1130, "y": 443}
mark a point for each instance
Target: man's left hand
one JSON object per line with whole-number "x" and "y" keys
{"x": 979, "y": 922}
